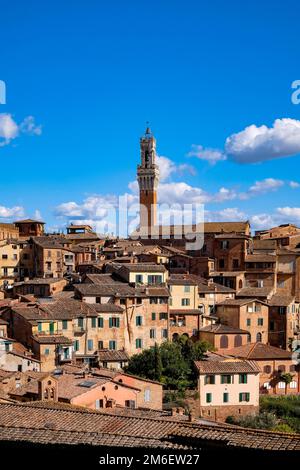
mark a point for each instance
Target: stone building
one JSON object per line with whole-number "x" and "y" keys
{"x": 30, "y": 228}
{"x": 228, "y": 387}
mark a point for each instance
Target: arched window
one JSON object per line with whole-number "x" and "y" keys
{"x": 292, "y": 368}
{"x": 175, "y": 337}
{"x": 224, "y": 342}
{"x": 281, "y": 368}
{"x": 238, "y": 341}
{"x": 293, "y": 384}
{"x": 258, "y": 338}
{"x": 240, "y": 284}
{"x": 267, "y": 369}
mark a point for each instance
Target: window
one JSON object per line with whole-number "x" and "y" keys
{"x": 138, "y": 301}
{"x": 224, "y": 245}
{"x": 226, "y": 379}
{"x": 208, "y": 398}
{"x": 15, "y": 257}
{"x": 154, "y": 279}
{"x": 267, "y": 369}
{"x": 260, "y": 283}
{"x": 94, "y": 322}
{"x": 244, "y": 397}
{"x": 153, "y": 316}
{"x": 47, "y": 352}
{"x": 272, "y": 325}
{"x": 238, "y": 341}
{"x": 292, "y": 368}
{"x": 139, "y": 320}
{"x": 235, "y": 263}
{"x": 224, "y": 342}
{"x": 112, "y": 344}
{"x": 281, "y": 385}
{"x": 122, "y": 301}
{"x": 185, "y": 302}
{"x": 248, "y": 323}
{"x": 260, "y": 321}
{"x": 153, "y": 300}
{"x": 187, "y": 289}
{"x": 163, "y": 316}
{"x": 40, "y": 327}
{"x": 139, "y": 279}
{"x": 250, "y": 309}
{"x": 293, "y": 384}
{"x": 210, "y": 380}
{"x": 267, "y": 385}
{"x": 80, "y": 322}
{"x": 282, "y": 310}
{"x": 258, "y": 337}
{"x": 164, "y": 333}
{"x": 100, "y": 322}
{"x": 257, "y": 308}
{"x": 225, "y": 397}
{"x": 281, "y": 368}
{"x": 98, "y": 404}
{"x": 4, "y": 256}
{"x": 76, "y": 345}
{"x": 98, "y": 300}
{"x": 280, "y": 283}
{"x": 130, "y": 403}
{"x": 114, "y": 322}
{"x": 221, "y": 263}
{"x": 152, "y": 333}
{"x": 100, "y": 344}
{"x": 138, "y": 343}
{"x": 147, "y": 395}
{"x": 65, "y": 324}
{"x": 90, "y": 345}
{"x": 243, "y": 378}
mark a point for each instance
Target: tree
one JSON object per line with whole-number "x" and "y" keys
{"x": 157, "y": 363}
{"x": 172, "y": 363}
{"x": 287, "y": 379}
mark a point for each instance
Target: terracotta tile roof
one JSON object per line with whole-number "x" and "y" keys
{"x": 68, "y": 386}
{"x": 52, "y": 339}
{"x": 100, "y": 279}
{"x": 185, "y": 311}
{"x": 219, "y": 328}
{"x": 108, "y": 308}
{"x": 62, "y": 308}
{"x": 256, "y": 351}
{"x": 254, "y": 292}
{"x": 108, "y": 355}
{"x": 62, "y": 424}
{"x": 140, "y": 267}
{"x": 29, "y": 221}
{"x": 227, "y": 366}
{"x": 280, "y": 300}
{"x": 121, "y": 289}
{"x": 260, "y": 258}
{"x": 240, "y": 302}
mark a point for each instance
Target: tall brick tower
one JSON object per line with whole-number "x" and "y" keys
{"x": 147, "y": 176}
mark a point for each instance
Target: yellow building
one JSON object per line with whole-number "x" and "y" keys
{"x": 9, "y": 262}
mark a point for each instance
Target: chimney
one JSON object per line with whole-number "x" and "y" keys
{"x": 191, "y": 417}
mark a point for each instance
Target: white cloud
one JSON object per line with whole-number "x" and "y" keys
{"x": 292, "y": 213}
{"x": 167, "y": 168}
{"x": 227, "y": 214}
{"x": 256, "y": 144}
{"x": 10, "y": 130}
{"x": 211, "y": 155}
{"x": 263, "y": 186}
{"x": 9, "y": 212}
{"x": 294, "y": 184}
{"x": 262, "y": 221}
{"x": 28, "y": 126}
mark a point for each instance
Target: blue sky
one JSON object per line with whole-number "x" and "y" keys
{"x": 90, "y": 74}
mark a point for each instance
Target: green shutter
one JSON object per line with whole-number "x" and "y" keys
{"x": 93, "y": 322}
{"x": 240, "y": 397}
{"x": 118, "y": 322}
{"x": 247, "y": 396}
{"x": 100, "y": 322}
{"x": 110, "y": 322}
{"x": 208, "y": 398}
{"x": 225, "y": 397}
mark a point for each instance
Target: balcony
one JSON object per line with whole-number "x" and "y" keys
{"x": 79, "y": 330}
